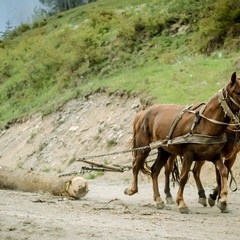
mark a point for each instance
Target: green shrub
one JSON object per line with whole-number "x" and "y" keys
{"x": 221, "y": 24}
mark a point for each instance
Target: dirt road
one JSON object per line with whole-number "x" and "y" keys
{"x": 106, "y": 213}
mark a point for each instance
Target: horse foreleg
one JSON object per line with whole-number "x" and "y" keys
{"x": 196, "y": 174}
{"x": 182, "y": 182}
{"x": 223, "y": 171}
{"x": 155, "y": 170}
{"x": 168, "y": 170}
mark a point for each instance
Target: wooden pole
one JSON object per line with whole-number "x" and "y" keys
{"x": 108, "y": 167}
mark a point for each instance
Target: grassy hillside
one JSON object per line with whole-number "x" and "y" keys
{"x": 172, "y": 51}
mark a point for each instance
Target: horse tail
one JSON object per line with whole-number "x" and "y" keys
{"x": 145, "y": 169}
{"x": 229, "y": 161}
{"x": 176, "y": 171}
{"x": 135, "y": 125}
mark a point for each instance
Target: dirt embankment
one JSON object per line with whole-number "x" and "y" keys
{"x": 90, "y": 126}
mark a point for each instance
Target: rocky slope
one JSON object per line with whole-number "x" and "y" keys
{"x": 92, "y": 125}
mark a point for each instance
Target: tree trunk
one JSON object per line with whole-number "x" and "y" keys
{"x": 32, "y": 181}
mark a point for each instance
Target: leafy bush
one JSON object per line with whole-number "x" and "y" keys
{"x": 221, "y": 25}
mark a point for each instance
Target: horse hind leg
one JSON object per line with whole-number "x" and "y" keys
{"x": 187, "y": 162}
{"x": 168, "y": 169}
{"x": 155, "y": 170}
{"x": 214, "y": 195}
{"x": 138, "y": 164}
{"x": 196, "y": 174}
{"x": 223, "y": 172}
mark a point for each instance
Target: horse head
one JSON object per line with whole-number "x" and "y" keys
{"x": 233, "y": 92}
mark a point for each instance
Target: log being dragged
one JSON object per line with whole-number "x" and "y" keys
{"x": 32, "y": 181}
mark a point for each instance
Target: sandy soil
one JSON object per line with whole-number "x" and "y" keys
{"x": 106, "y": 213}
{"x": 99, "y": 124}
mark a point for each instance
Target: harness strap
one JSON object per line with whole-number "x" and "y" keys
{"x": 218, "y": 122}
{"x": 197, "y": 117}
{"x": 199, "y": 139}
{"x": 176, "y": 120}
{"x": 190, "y": 138}
{"x": 179, "y": 116}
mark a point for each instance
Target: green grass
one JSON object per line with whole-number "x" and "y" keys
{"x": 133, "y": 46}
{"x": 193, "y": 78}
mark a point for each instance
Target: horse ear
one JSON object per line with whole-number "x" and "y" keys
{"x": 233, "y": 78}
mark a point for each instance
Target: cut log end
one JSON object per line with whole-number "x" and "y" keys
{"x": 77, "y": 187}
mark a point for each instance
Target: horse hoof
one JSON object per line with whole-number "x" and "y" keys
{"x": 128, "y": 192}
{"x": 226, "y": 210}
{"x": 223, "y": 207}
{"x": 169, "y": 200}
{"x": 184, "y": 210}
{"x": 211, "y": 201}
{"x": 202, "y": 201}
{"x": 160, "y": 205}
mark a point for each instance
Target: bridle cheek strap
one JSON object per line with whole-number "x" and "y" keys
{"x": 236, "y": 103}
{"x": 224, "y": 105}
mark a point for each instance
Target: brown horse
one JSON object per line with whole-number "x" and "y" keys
{"x": 229, "y": 154}
{"x": 158, "y": 122}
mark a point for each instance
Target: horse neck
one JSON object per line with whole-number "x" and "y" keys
{"x": 213, "y": 110}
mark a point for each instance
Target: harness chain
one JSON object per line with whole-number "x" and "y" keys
{"x": 113, "y": 153}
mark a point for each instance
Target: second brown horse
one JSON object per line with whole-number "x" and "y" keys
{"x": 229, "y": 153}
